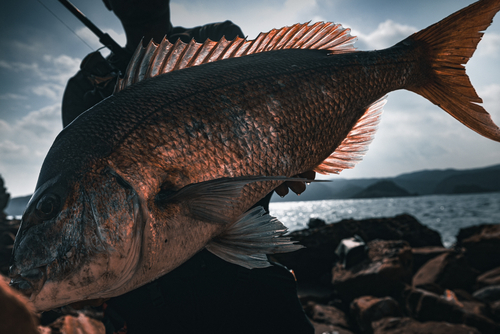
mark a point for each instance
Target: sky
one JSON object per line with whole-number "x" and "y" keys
{"x": 38, "y": 54}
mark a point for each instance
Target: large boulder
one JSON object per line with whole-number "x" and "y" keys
{"x": 318, "y": 256}
{"x": 423, "y": 254}
{"x": 449, "y": 270}
{"x": 385, "y": 272}
{"x": 482, "y": 245}
{"x": 427, "y": 306}
{"x": 411, "y": 326}
{"x": 368, "y": 309}
{"x": 326, "y": 314}
{"x": 491, "y": 277}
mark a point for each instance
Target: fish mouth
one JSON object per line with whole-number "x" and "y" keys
{"x": 29, "y": 282}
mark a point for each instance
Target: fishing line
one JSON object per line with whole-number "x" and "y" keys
{"x": 91, "y": 48}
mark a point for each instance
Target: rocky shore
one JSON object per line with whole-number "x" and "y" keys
{"x": 384, "y": 275}
{"x": 395, "y": 276}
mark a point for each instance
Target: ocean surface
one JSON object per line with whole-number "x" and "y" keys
{"x": 443, "y": 213}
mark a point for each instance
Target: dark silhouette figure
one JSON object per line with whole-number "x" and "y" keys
{"x": 205, "y": 294}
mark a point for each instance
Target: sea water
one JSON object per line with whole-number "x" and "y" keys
{"x": 446, "y": 214}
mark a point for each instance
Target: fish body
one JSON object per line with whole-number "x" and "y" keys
{"x": 142, "y": 181}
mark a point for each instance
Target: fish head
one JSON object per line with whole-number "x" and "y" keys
{"x": 79, "y": 236}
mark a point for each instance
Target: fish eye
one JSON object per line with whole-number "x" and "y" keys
{"x": 47, "y": 207}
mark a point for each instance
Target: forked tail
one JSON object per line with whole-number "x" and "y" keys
{"x": 450, "y": 43}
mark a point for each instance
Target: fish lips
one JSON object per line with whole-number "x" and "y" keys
{"x": 28, "y": 282}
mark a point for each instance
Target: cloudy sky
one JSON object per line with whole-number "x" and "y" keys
{"x": 38, "y": 54}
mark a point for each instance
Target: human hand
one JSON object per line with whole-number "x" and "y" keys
{"x": 297, "y": 187}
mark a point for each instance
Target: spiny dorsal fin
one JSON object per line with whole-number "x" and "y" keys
{"x": 156, "y": 59}
{"x": 355, "y": 145}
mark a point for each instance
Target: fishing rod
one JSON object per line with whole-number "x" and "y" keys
{"x": 104, "y": 38}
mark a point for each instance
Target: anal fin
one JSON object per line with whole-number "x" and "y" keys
{"x": 250, "y": 238}
{"x": 355, "y": 145}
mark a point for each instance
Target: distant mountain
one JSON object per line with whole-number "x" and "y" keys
{"x": 425, "y": 182}
{"x": 382, "y": 188}
{"x": 17, "y": 205}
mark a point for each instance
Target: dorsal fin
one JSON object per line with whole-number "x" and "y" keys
{"x": 156, "y": 59}
{"x": 355, "y": 145}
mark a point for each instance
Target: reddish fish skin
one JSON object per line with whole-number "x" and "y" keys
{"x": 239, "y": 116}
{"x": 273, "y": 113}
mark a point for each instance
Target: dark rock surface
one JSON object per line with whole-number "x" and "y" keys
{"x": 449, "y": 270}
{"x": 410, "y": 326}
{"x": 368, "y": 309}
{"x": 317, "y": 259}
{"x": 482, "y": 245}
{"x": 387, "y": 267}
{"x": 491, "y": 277}
{"x": 404, "y": 283}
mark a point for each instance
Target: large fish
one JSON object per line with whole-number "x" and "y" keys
{"x": 171, "y": 163}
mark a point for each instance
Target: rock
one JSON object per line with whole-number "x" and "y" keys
{"x": 488, "y": 294}
{"x": 326, "y": 314}
{"x": 75, "y": 325}
{"x": 320, "y": 328}
{"x": 411, "y": 326}
{"x": 427, "y": 306}
{"x": 317, "y": 259}
{"x": 16, "y": 316}
{"x": 367, "y": 309}
{"x": 423, "y": 254}
{"x": 315, "y": 222}
{"x": 383, "y": 273}
{"x": 491, "y": 277}
{"x": 482, "y": 244}
{"x": 449, "y": 271}
{"x": 495, "y": 311}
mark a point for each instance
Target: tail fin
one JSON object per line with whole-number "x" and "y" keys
{"x": 450, "y": 43}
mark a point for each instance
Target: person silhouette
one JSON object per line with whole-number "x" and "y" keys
{"x": 205, "y": 294}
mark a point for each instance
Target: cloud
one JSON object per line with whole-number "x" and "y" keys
{"x": 489, "y": 45}
{"x": 252, "y": 17}
{"x": 91, "y": 39}
{"x": 11, "y": 96}
{"x": 387, "y": 34}
{"x": 23, "y": 146}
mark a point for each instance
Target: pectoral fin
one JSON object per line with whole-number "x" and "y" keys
{"x": 211, "y": 200}
{"x": 250, "y": 238}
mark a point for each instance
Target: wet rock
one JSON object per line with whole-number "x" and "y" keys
{"x": 495, "y": 311}
{"x": 427, "y": 306}
{"x": 385, "y": 271}
{"x": 449, "y": 271}
{"x": 317, "y": 259}
{"x": 488, "y": 294}
{"x": 16, "y": 316}
{"x": 326, "y": 314}
{"x": 482, "y": 244}
{"x": 315, "y": 222}
{"x": 423, "y": 254}
{"x": 411, "y": 326}
{"x": 368, "y": 309}
{"x": 80, "y": 324}
{"x": 321, "y": 328}
{"x": 491, "y": 277}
